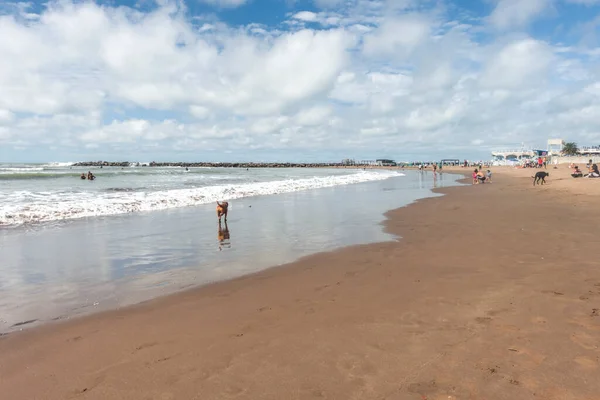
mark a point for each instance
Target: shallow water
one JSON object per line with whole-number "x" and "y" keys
{"x": 33, "y": 193}
{"x": 86, "y": 265}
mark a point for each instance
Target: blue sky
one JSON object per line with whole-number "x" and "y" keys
{"x": 295, "y": 80}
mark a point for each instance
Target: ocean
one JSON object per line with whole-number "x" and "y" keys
{"x": 33, "y": 193}
{"x": 70, "y": 247}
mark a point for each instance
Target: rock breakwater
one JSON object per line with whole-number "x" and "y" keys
{"x": 205, "y": 164}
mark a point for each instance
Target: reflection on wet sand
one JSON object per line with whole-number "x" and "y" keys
{"x": 223, "y": 236}
{"x": 118, "y": 261}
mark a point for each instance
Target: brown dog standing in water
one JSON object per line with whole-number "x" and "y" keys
{"x": 222, "y": 210}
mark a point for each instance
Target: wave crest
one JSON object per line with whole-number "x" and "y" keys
{"x": 63, "y": 206}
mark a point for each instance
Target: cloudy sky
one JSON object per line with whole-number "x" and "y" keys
{"x": 295, "y": 79}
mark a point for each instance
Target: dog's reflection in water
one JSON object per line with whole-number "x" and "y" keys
{"x": 223, "y": 236}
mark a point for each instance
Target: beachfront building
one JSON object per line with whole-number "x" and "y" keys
{"x": 512, "y": 156}
{"x": 451, "y": 161}
{"x": 383, "y": 162}
{"x": 553, "y": 153}
{"x": 362, "y": 163}
{"x": 584, "y": 155}
{"x": 589, "y": 151}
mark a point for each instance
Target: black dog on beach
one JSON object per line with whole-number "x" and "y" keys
{"x": 540, "y": 177}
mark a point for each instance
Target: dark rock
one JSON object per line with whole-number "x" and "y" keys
{"x": 207, "y": 164}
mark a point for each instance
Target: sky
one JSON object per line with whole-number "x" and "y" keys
{"x": 295, "y": 80}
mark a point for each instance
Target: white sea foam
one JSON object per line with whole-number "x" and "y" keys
{"x": 59, "y": 164}
{"x": 16, "y": 170}
{"x": 53, "y": 206}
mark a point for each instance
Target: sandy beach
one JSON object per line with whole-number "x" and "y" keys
{"x": 493, "y": 292}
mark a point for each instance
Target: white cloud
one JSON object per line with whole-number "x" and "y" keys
{"x": 307, "y": 16}
{"x": 374, "y": 75}
{"x": 517, "y": 13}
{"x": 199, "y": 112}
{"x": 6, "y": 116}
{"x": 313, "y": 116}
{"x": 517, "y": 64}
{"x": 398, "y": 36}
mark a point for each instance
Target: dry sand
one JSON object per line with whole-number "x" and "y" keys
{"x": 493, "y": 293}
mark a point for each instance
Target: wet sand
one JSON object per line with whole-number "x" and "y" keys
{"x": 492, "y": 293}
{"x": 125, "y": 259}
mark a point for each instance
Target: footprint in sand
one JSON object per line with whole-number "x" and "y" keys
{"x": 356, "y": 368}
{"x": 584, "y": 340}
{"x": 553, "y": 292}
{"x": 539, "y": 320}
{"x": 527, "y": 357}
{"x": 586, "y": 362}
{"x": 493, "y": 313}
{"x": 411, "y": 320}
{"x": 438, "y": 390}
{"x": 144, "y": 346}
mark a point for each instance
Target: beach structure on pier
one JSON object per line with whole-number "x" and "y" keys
{"x": 589, "y": 151}
{"x": 555, "y": 147}
{"x": 353, "y": 162}
{"x": 512, "y": 156}
{"x": 384, "y": 162}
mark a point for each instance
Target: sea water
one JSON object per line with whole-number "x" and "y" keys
{"x": 57, "y": 262}
{"x": 33, "y": 193}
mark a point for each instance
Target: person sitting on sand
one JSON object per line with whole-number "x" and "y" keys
{"x": 576, "y": 172}
{"x": 594, "y": 172}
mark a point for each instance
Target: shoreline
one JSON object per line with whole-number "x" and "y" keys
{"x": 53, "y": 196}
{"x": 496, "y": 310}
{"x": 189, "y": 263}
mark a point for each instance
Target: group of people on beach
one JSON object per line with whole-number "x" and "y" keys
{"x": 592, "y": 171}
{"x": 89, "y": 177}
{"x": 480, "y": 177}
{"x": 540, "y": 162}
